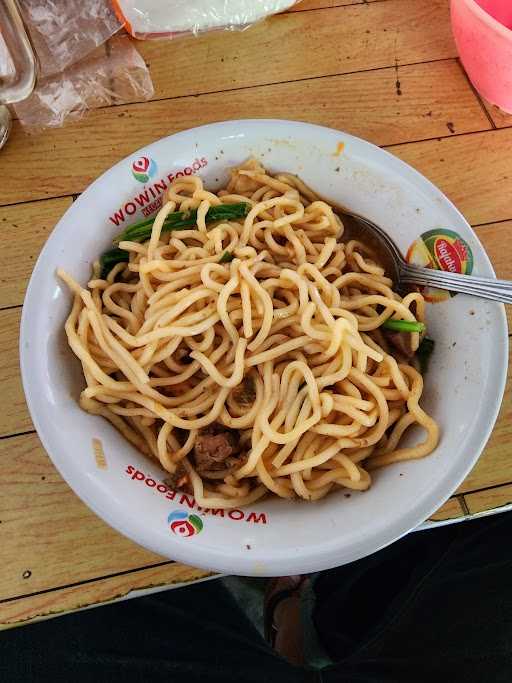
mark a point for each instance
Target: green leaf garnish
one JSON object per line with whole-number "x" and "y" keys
{"x": 110, "y": 259}
{"x": 424, "y": 353}
{"x": 404, "y": 326}
{"x": 226, "y": 257}
{"x": 179, "y": 220}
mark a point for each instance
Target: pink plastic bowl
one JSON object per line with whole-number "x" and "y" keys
{"x": 483, "y": 33}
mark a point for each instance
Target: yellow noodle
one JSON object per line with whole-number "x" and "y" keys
{"x": 283, "y": 344}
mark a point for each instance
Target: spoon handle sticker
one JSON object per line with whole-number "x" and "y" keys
{"x": 441, "y": 250}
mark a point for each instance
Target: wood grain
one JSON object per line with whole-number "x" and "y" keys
{"x": 47, "y": 531}
{"x": 341, "y": 63}
{"x": 490, "y": 499}
{"x": 37, "y": 547}
{"x": 66, "y": 528}
{"x": 14, "y": 417}
{"x": 35, "y": 220}
{"x": 500, "y": 118}
{"x": 300, "y": 45}
{"x": 472, "y": 170}
{"x": 60, "y": 601}
{"x": 450, "y": 510}
{"x": 25, "y": 229}
{"x": 495, "y": 465}
{"x": 495, "y": 239}
{"x": 435, "y": 99}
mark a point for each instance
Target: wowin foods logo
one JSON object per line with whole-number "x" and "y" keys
{"x": 143, "y": 169}
{"x": 184, "y": 524}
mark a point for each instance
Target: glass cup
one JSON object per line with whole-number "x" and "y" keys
{"x": 18, "y": 67}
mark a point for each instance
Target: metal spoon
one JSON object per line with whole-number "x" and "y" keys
{"x": 402, "y": 273}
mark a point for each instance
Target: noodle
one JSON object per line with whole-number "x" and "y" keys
{"x": 247, "y": 355}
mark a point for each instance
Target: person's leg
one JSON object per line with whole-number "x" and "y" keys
{"x": 283, "y": 618}
{"x": 436, "y": 605}
{"x": 190, "y": 634}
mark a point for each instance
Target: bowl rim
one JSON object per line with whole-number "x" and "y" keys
{"x": 216, "y": 558}
{"x": 482, "y": 15}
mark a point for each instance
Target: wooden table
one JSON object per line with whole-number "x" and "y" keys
{"x": 385, "y": 70}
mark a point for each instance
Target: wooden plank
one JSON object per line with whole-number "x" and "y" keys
{"x": 25, "y": 229}
{"x": 481, "y": 501}
{"x": 500, "y": 118}
{"x": 435, "y": 99}
{"x": 35, "y": 220}
{"x": 473, "y": 170}
{"x": 299, "y": 45}
{"x": 452, "y": 509}
{"x": 56, "y": 602}
{"x": 495, "y": 464}
{"x": 49, "y": 538}
{"x": 66, "y": 528}
{"x": 496, "y": 237}
{"x": 14, "y": 416}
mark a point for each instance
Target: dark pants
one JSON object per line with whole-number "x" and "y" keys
{"x": 434, "y": 607}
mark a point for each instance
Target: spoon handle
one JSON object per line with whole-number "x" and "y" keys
{"x": 486, "y": 288}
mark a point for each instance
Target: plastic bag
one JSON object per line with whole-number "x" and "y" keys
{"x": 64, "y": 31}
{"x": 79, "y": 72}
{"x": 111, "y": 74}
{"x": 172, "y": 18}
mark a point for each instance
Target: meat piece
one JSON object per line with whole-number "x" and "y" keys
{"x": 178, "y": 480}
{"x": 245, "y": 392}
{"x": 236, "y": 461}
{"x": 214, "y": 446}
{"x": 401, "y": 341}
{"x": 183, "y": 357}
{"x": 232, "y": 463}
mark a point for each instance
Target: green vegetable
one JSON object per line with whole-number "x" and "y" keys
{"x": 424, "y": 352}
{"x": 226, "y": 257}
{"x": 111, "y": 258}
{"x": 403, "y": 326}
{"x": 179, "y": 220}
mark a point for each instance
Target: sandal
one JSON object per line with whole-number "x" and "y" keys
{"x": 279, "y": 590}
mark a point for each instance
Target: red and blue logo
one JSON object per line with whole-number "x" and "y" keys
{"x": 143, "y": 169}
{"x": 184, "y": 524}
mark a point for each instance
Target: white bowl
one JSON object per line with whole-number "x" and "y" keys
{"x": 464, "y": 384}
